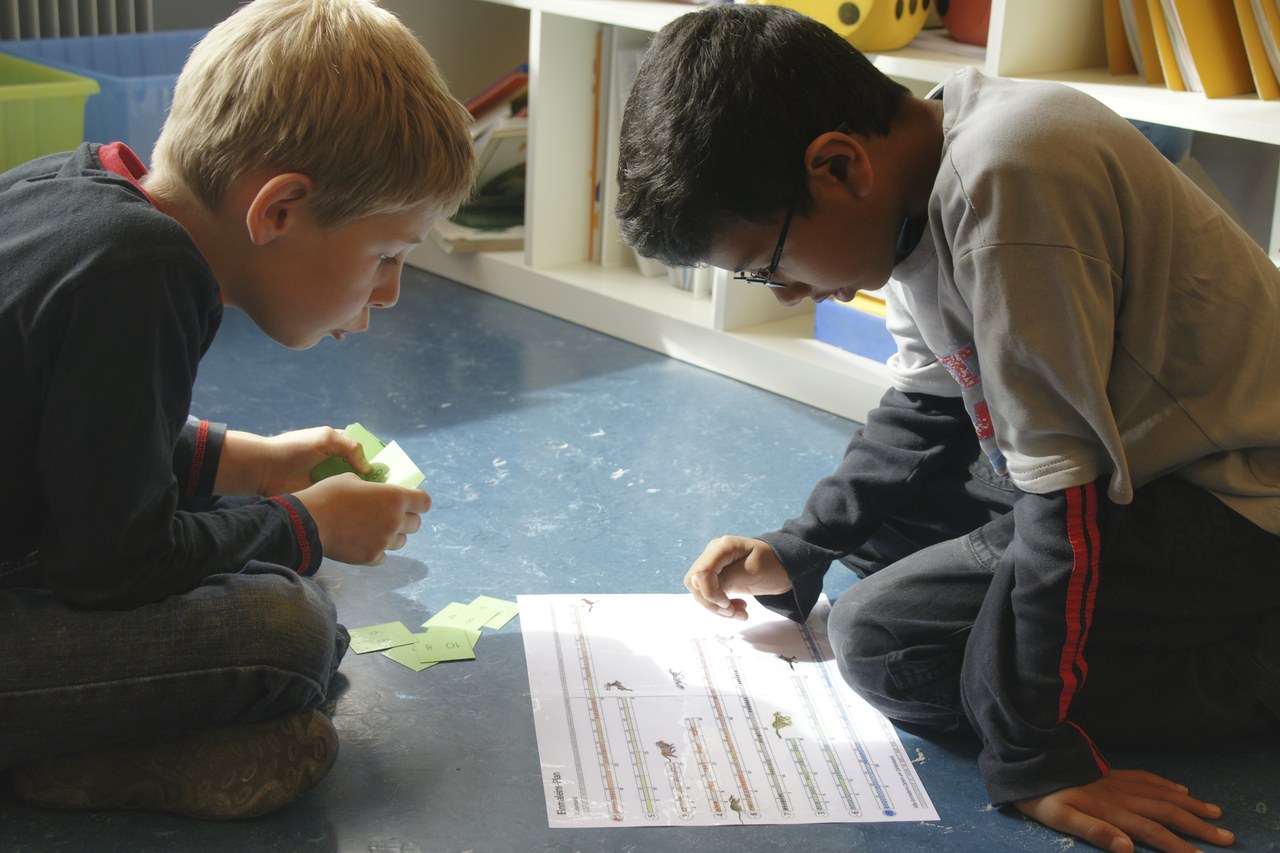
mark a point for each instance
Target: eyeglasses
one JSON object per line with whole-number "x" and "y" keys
{"x": 764, "y": 275}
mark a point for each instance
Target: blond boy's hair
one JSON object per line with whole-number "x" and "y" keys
{"x": 338, "y": 90}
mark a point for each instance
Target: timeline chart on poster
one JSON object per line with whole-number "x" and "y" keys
{"x": 650, "y": 711}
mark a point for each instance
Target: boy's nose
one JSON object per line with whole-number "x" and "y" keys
{"x": 388, "y": 294}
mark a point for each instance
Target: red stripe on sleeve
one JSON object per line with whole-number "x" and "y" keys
{"x": 197, "y": 458}
{"x": 1082, "y": 532}
{"x": 299, "y": 532}
{"x": 1103, "y": 764}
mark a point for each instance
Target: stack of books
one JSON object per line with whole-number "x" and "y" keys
{"x": 493, "y": 219}
{"x": 1219, "y": 48}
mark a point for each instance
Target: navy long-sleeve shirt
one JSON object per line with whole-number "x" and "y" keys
{"x": 106, "y": 307}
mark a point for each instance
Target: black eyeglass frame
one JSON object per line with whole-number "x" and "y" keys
{"x": 764, "y": 275}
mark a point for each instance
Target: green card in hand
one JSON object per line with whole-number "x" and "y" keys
{"x": 390, "y": 464}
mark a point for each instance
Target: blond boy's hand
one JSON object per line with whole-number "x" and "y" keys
{"x": 735, "y": 565}
{"x": 360, "y": 521}
{"x": 281, "y": 464}
{"x": 1129, "y": 806}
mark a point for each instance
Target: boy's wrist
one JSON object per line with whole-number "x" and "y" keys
{"x": 241, "y": 466}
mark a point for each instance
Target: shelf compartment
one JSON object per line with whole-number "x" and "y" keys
{"x": 780, "y": 355}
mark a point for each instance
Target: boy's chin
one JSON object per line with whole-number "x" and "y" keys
{"x": 298, "y": 344}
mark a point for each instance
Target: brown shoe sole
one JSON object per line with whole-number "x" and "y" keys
{"x": 222, "y": 774}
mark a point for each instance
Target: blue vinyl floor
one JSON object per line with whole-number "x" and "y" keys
{"x": 559, "y": 461}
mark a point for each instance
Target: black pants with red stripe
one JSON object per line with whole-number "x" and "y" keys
{"x": 1185, "y": 641}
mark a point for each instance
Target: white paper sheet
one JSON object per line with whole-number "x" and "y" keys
{"x": 650, "y": 711}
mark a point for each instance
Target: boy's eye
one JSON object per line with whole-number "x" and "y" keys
{"x": 389, "y": 259}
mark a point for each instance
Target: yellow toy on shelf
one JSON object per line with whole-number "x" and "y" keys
{"x": 869, "y": 25}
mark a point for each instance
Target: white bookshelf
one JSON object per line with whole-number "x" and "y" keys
{"x": 740, "y": 331}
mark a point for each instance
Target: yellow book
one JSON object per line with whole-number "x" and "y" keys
{"x": 1212, "y": 33}
{"x": 1264, "y": 78}
{"x": 1146, "y": 39}
{"x": 1119, "y": 57}
{"x": 1268, "y": 17}
{"x": 1165, "y": 47}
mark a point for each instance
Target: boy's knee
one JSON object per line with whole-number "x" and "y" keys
{"x": 860, "y": 616}
{"x": 911, "y": 684}
{"x": 280, "y": 621}
{"x": 857, "y": 626}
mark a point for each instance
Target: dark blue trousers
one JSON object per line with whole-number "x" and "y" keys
{"x": 1185, "y": 642}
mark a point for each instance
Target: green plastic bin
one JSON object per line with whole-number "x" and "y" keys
{"x": 41, "y": 110}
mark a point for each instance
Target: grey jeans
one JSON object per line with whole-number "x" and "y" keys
{"x": 240, "y": 648}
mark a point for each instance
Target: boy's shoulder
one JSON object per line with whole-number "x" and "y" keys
{"x": 71, "y": 204}
{"x": 981, "y": 109}
{"x": 1026, "y": 142}
{"x": 70, "y": 229}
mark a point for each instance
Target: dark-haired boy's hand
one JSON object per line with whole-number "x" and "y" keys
{"x": 1129, "y": 806}
{"x": 281, "y": 464}
{"x": 735, "y": 565}
{"x": 360, "y": 521}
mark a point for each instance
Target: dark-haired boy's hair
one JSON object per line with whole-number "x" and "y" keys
{"x": 725, "y": 103}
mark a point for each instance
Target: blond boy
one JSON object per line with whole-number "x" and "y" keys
{"x": 164, "y": 647}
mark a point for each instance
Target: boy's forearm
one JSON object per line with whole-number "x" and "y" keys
{"x": 241, "y": 465}
{"x": 1026, "y": 659}
{"x": 905, "y": 437}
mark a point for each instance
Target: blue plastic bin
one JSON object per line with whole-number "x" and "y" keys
{"x": 136, "y": 74}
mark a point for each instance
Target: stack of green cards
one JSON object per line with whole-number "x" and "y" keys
{"x": 390, "y": 463}
{"x": 451, "y": 634}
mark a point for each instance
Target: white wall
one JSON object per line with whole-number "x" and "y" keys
{"x": 185, "y": 15}
{"x": 473, "y": 43}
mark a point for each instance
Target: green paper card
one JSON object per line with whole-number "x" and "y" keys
{"x": 457, "y": 615}
{"x": 389, "y": 462}
{"x": 472, "y": 637}
{"x": 400, "y": 468}
{"x": 335, "y": 465}
{"x": 375, "y": 638}
{"x": 408, "y": 656}
{"x": 505, "y": 610}
{"x": 371, "y": 443}
{"x": 437, "y": 645}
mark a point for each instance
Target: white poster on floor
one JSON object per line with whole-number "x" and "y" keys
{"x": 650, "y": 711}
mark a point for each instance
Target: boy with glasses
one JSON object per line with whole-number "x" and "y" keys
{"x": 1065, "y": 513}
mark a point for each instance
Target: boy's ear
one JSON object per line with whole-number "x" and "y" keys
{"x": 840, "y": 158}
{"x": 275, "y": 206}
